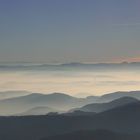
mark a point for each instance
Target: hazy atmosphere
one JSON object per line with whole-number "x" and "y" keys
{"x": 60, "y": 31}
{"x": 74, "y": 79}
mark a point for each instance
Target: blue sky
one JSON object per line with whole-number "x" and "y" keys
{"x": 69, "y": 30}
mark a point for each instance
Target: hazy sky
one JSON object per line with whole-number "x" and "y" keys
{"x": 69, "y": 30}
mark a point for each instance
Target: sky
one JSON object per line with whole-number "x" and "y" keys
{"x": 61, "y": 31}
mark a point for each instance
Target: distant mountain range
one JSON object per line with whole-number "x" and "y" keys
{"x": 58, "y": 101}
{"x": 12, "y": 94}
{"x": 42, "y": 104}
{"x": 41, "y": 110}
{"x": 27, "y": 66}
{"x": 100, "y": 107}
{"x": 120, "y": 94}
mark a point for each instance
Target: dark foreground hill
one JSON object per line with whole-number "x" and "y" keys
{"x": 124, "y": 119}
{"x": 94, "y": 135}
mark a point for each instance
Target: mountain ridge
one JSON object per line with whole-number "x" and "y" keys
{"x": 100, "y": 107}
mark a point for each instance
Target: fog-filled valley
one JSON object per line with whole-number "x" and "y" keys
{"x": 42, "y": 104}
{"x": 76, "y": 79}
